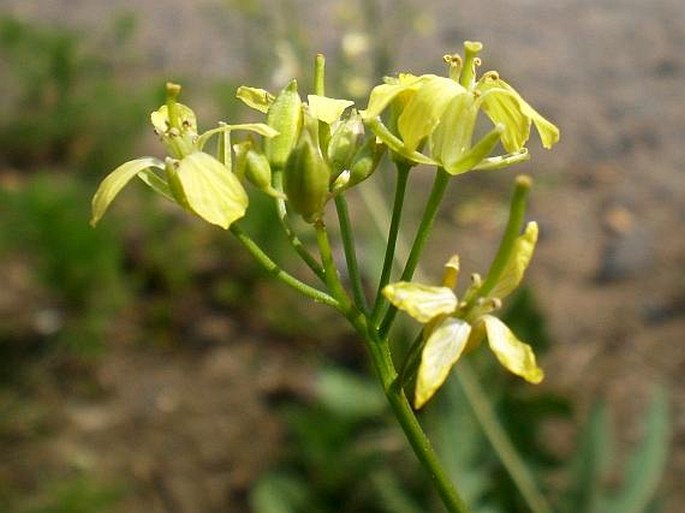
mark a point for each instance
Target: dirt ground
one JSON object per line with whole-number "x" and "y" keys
{"x": 608, "y": 272}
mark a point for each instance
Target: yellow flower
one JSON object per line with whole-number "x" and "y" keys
{"x": 452, "y": 326}
{"x": 442, "y": 112}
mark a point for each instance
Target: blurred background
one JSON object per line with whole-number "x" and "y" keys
{"x": 149, "y": 366}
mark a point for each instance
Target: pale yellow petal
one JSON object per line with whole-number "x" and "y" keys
{"x": 383, "y": 94}
{"x": 516, "y": 266}
{"x": 443, "y": 348}
{"x": 256, "y": 98}
{"x": 212, "y": 191}
{"x": 426, "y": 107}
{"x": 327, "y": 109}
{"x": 160, "y": 118}
{"x": 514, "y": 355}
{"x": 422, "y": 302}
{"x": 115, "y": 181}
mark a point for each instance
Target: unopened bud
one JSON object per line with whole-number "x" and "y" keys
{"x": 344, "y": 143}
{"x": 285, "y": 116}
{"x": 254, "y": 166}
{"x": 306, "y": 177}
{"x": 366, "y": 161}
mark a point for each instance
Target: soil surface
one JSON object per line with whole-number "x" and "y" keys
{"x": 608, "y": 273}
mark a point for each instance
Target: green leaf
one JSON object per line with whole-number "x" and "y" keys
{"x": 115, "y": 181}
{"x": 348, "y": 395}
{"x": 278, "y": 493}
{"x": 422, "y": 302}
{"x": 591, "y": 464}
{"x": 212, "y": 191}
{"x": 646, "y": 466}
{"x": 443, "y": 348}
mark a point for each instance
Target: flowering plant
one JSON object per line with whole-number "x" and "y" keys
{"x": 308, "y": 154}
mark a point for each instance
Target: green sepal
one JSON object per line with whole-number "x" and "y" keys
{"x": 117, "y": 180}
{"x": 502, "y": 161}
{"x": 396, "y": 144}
{"x": 477, "y": 153}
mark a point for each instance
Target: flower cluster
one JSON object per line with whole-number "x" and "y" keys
{"x": 320, "y": 152}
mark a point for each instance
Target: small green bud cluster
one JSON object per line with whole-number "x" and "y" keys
{"x": 319, "y": 152}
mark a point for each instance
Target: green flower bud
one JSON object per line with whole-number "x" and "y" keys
{"x": 344, "y": 143}
{"x": 306, "y": 176}
{"x": 366, "y": 161}
{"x": 285, "y": 116}
{"x": 254, "y": 166}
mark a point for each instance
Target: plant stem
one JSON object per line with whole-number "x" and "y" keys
{"x": 350, "y": 253}
{"x": 437, "y": 192}
{"x": 517, "y": 214}
{"x": 501, "y": 443}
{"x": 400, "y": 189}
{"x": 335, "y": 286}
{"x": 382, "y": 360}
{"x": 274, "y": 269}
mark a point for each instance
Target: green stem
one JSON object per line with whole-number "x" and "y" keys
{"x": 432, "y": 206}
{"x": 382, "y": 360}
{"x": 517, "y": 214}
{"x": 273, "y": 269}
{"x": 403, "y": 169}
{"x": 295, "y": 242}
{"x": 332, "y": 278}
{"x": 347, "y": 236}
{"x": 501, "y": 443}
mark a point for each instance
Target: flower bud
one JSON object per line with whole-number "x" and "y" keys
{"x": 344, "y": 143}
{"x": 306, "y": 176}
{"x": 254, "y": 166}
{"x": 285, "y": 116}
{"x": 365, "y": 161}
